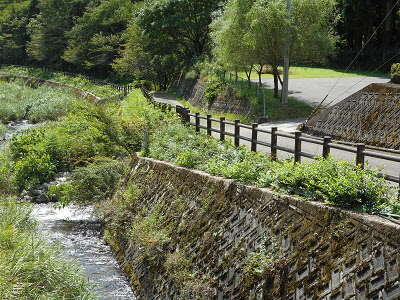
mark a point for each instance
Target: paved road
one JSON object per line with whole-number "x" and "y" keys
{"x": 314, "y": 90}
{"x": 391, "y": 168}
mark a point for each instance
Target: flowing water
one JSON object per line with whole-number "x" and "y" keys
{"x": 78, "y": 232}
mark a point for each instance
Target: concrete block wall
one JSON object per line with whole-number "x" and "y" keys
{"x": 370, "y": 116}
{"x": 328, "y": 252}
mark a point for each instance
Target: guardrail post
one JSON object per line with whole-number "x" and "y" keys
{"x": 254, "y": 137}
{"x": 360, "y": 159}
{"x": 274, "y": 143}
{"x": 187, "y": 116}
{"x": 181, "y": 111}
{"x": 297, "y": 146}
{"x": 197, "y": 121}
{"x": 222, "y": 128}
{"x": 237, "y": 133}
{"x": 208, "y": 124}
{"x": 326, "y": 150}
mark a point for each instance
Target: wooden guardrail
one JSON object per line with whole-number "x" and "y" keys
{"x": 327, "y": 144}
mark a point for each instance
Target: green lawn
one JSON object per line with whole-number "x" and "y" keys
{"x": 315, "y": 72}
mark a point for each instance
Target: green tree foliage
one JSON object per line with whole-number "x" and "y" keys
{"x": 262, "y": 32}
{"x": 94, "y": 40}
{"x": 47, "y": 30}
{"x": 228, "y": 30}
{"x": 14, "y": 16}
{"x": 133, "y": 61}
{"x": 175, "y": 31}
{"x": 359, "y": 20}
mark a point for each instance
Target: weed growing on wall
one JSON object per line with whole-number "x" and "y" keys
{"x": 333, "y": 182}
{"x": 266, "y": 265}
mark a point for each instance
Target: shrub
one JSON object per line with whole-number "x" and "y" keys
{"x": 213, "y": 88}
{"x": 75, "y": 141}
{"x": 93, "y": 183}
{"x": 34, "y": 169}
{"x": 395, "y": 72}
{"x": 395, "y": 69}
{"x": 331, "y": 181}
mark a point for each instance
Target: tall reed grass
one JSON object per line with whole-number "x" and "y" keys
{"x": 20, "y": 102}
{"x": 31, "y": 268}
{"x": 79, "y": 81}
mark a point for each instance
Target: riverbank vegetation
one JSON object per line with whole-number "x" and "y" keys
{"x": 30, "y": 267}
{"x": 100, "y": 89}
{"x": 20, "y": 102}
{"x": 83, "y": 137}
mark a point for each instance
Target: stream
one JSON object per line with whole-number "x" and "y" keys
{"x": 79, "y": 234}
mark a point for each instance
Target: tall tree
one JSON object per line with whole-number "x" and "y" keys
{"x": 47, "y": 31}
{"x": 228, "y": 31}
{"x": 310, "y": 24}
{"x": 133, "y": 62}
{"x": 95, "y": 39}
{"x": 14, "y": 17}
{"x": 175, "y": 31}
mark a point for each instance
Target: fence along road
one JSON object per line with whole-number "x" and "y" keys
{"x": 283, "y": 145}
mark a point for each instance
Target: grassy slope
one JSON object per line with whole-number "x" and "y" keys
{"x": 315, "y": 72}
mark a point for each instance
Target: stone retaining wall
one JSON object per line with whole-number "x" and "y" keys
{"x": 325, "y": 252}
{"x": 370, "y": 116}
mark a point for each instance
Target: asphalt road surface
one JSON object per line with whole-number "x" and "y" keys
{"x": 314, "y": 90}
{"x": 386, "y": 167}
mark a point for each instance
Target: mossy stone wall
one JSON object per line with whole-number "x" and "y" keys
{"x": 217, "y": 225}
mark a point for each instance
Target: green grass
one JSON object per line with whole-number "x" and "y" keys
{"x": 316, "y": 72}
{"x": 275, "y": 110}
{"x": 30, "y": 267}
{"x": 78, "y": 81}
{"x": 44, "y": 103}
{"x": 3, "y": 130}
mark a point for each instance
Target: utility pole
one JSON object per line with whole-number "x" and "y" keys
{"x": 285, "y": 88}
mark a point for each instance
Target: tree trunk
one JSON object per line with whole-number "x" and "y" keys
{"x": 248, "y": 74}
{"x": 388, "y": 28}
{"x": 276, "y": 81}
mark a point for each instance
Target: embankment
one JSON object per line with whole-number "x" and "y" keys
{"x": 183, "y": 234}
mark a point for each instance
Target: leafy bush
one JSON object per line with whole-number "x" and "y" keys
{"x": 76, "y": 140}
{"x": 33, "y": 169}
{"x": 334, "y": 182}
{"x": 93, "y": 183}
{"x": 29, "y": 267}
{"x": 213, "y": 88}
{"x": 395, "y": 70}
